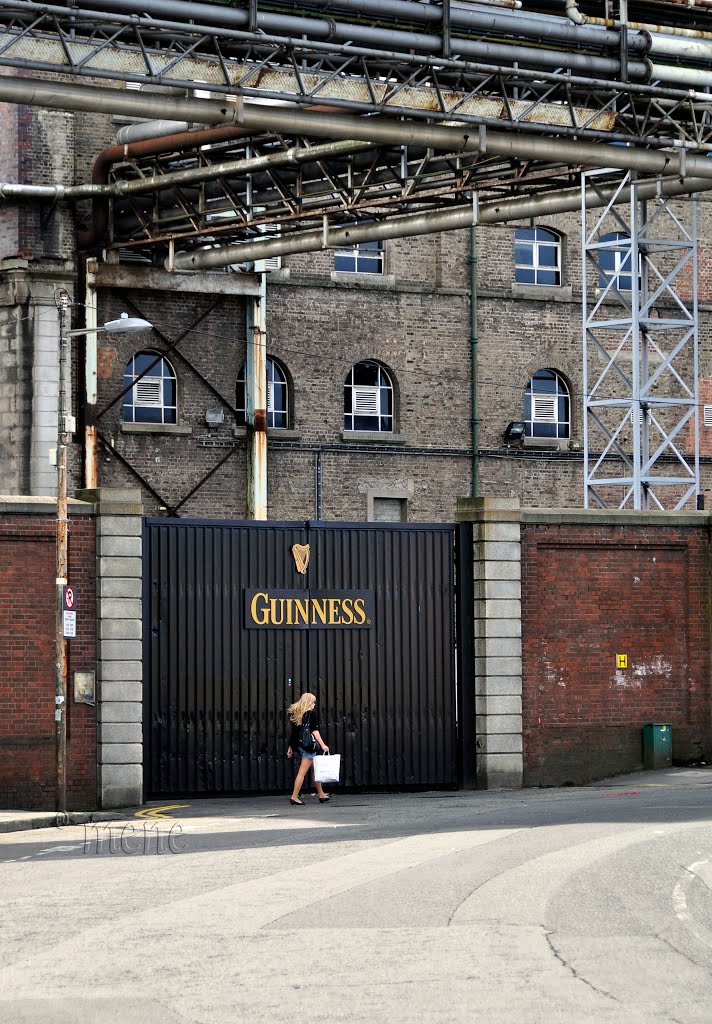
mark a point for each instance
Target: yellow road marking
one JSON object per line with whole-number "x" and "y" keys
{"x": 157, "y": 812}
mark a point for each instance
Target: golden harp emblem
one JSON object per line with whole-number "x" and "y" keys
{"x": 301, "y": 557}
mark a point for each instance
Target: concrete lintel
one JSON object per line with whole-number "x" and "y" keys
{"x": 115, "y": 275}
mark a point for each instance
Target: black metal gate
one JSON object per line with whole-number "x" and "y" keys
{"x": 234, "y": 632}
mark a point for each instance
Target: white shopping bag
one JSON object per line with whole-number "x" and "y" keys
{"x": 327, "y": 767}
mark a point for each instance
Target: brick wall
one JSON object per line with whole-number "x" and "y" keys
{"x": 27, "y": 666}
{"x": 590, "y": 592}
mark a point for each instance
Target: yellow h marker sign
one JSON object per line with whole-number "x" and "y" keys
{"x": 621, "y": 661}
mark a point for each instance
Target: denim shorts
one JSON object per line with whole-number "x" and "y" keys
{"x": 304, "y": 754}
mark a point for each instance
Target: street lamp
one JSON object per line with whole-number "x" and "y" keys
{"x": 65, "y": 428}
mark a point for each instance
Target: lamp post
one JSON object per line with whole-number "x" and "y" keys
{"x": 65, "y": 430}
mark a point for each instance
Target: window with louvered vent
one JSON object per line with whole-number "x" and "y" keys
{"x": 708, "y": 415}
{"x": 547, "y": 406}
{"x": 277, "y": 396}
{"x": 151, "y": 394}
{"x": 366, "y": 401}
{"x": 544, "y": 408}
{"x": 148, "y": 391}
{"x": 368, "y": 398}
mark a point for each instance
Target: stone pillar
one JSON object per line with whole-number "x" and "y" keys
{"x": 497, "y": 638}
{"x": 119, "y": 644}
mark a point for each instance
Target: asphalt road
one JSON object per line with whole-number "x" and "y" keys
{"x": 571, "y": 905}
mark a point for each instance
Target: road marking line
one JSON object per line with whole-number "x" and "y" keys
{"x": 157, "y": 812}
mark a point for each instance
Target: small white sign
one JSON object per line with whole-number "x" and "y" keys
{"x": 69, "y": 630}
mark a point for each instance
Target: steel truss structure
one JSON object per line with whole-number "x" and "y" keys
{"x": 436, "y": 61}
{"x": 252, "y": 187}
{"x": 640, "y": 341}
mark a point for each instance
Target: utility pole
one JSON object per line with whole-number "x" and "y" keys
{"x": 63, "y": 435}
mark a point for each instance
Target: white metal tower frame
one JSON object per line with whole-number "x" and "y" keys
{"x": 640, "y": 347}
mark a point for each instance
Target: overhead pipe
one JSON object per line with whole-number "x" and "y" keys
{"x": 145, "y": 130}
{"x": 411, "y": 225}
{"x": 545, "y": 28}
{"x": 347, "y": 32}
{"x": 377, "y": 130}
{"x": 148, "y": 147}
{"x": 403, "y": 10}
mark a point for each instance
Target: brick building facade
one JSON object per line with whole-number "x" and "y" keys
{"x": 413, "y": 319}
{"x": 27, "y": 667}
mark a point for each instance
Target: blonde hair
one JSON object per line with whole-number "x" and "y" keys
{"x": 297, "y": 710}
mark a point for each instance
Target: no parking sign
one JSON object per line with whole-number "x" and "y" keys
{"x": 69, "y": 617}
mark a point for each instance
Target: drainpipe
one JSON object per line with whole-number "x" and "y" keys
{"x": 91, "y": 474}
{"x": 256, "y": 399}
{"x": 475, "y": 422}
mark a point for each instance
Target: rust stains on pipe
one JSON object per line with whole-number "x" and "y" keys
{"x": 149, "y": 147}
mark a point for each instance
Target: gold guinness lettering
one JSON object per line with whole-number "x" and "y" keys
{"x": 300, "y": 609}
{"x": 259, "y": 615}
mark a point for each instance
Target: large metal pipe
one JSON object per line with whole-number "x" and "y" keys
{"x": 377, "y": 130}
{"x": 293, "y": 156}
{"x": 553, "y": 29}
{"x": 378, "y": 36}
{"x": 426, "y": 223}
{"x": 548, "y": 29}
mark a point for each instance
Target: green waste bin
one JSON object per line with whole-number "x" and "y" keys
{"x": 657, "y": 745}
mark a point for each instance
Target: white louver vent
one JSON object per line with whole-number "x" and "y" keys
{"x": 270, "y": 396}
{"x": 708, "y": 415}
{"x": 544, "y": 408}
{"x": 147, "y": 392}
{"x": 366, "y": 401}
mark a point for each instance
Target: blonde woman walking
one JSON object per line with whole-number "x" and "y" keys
{"x": 303, "y": 714}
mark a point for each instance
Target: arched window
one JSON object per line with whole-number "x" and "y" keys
{"x": 614, "y": 262}
{"x": 547, "y": 406}
{"x": 277, "y": 396}
{"x": 368, "y": 398}
{"x": 153, "y": 394}
{"x": 537, "y": 256}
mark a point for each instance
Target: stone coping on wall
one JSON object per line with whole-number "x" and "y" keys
{"x": 40, "y": 506}
{"x": 509, "y": 510}
{"x": 613, "y": 517}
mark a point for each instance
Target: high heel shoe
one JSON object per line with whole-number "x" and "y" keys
{"x": 324, "y": 799}
{"x": 296, "y": 803}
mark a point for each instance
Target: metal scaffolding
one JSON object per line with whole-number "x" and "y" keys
{"x": 640, "y": 343}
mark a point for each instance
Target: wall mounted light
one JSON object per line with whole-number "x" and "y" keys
{"x": 514, "y": 431}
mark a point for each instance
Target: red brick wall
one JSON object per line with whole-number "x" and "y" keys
{"x": 588, "y": 594}
{"x": 27, "y": 665}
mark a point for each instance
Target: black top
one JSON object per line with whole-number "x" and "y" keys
{"x": 311, "y": 718}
